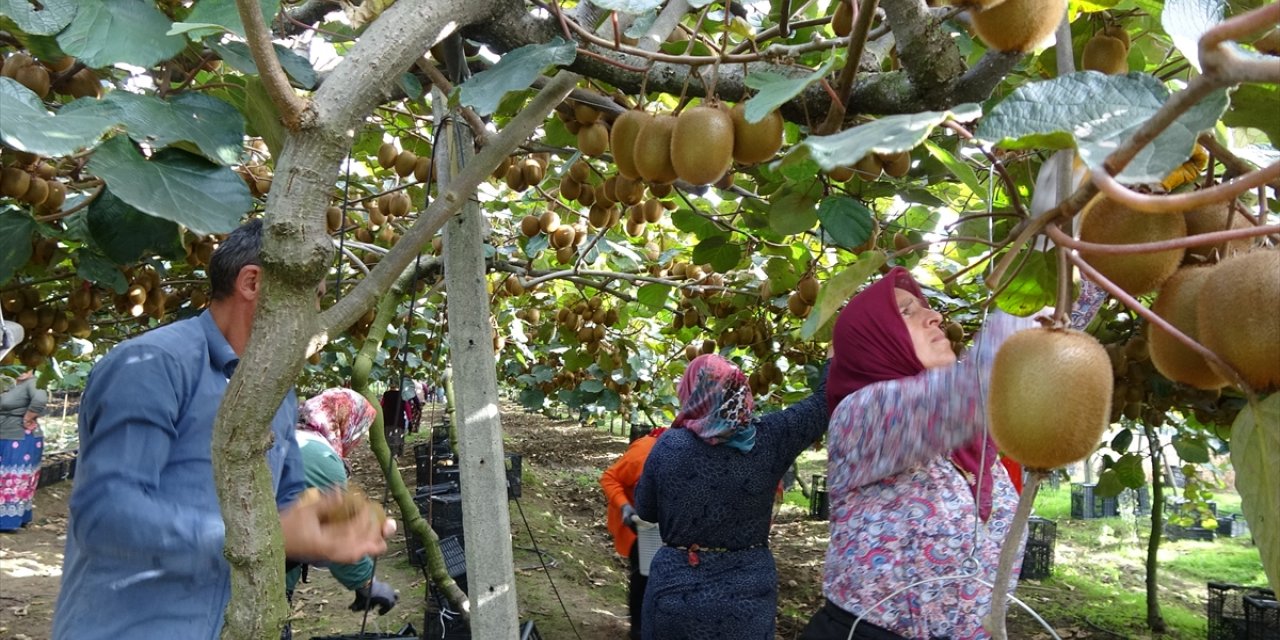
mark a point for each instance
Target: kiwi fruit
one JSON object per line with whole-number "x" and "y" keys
{"x": 1018, "y": 26}
{"x": 387, "y": 154}
{"x": 1108, "y": 222}
{"x": 1213, "y": 217}
{"x": 531, "y": 171}
{"x": 842, "y": 19}
{"x": 1105, "y": 54}
{"x": 549, "y": 221}
{"x": 622, "y": 140}
{"x": 405, "y": 163}
{"x": 14, "y": 182}
{"x": 424, "y": 169}
{"x": 895, "y": 165}
{"x": 1035, "y": 374}
{"x": 34, "y": 77}
{"x": 702, "y": 144}
{"x": 37, "y": 191}
{"x": 755, "y": 142}
{"x": 530, "y": 226}
{"x": 1177, "y": 303}
{"x": 808, "y": 289}
{"x": 843, "y": 174}
{"x": 653, "y": 150}
{"x": 1236, "y": 316}
{"x": 1119, "y": 33}
{"x": 333, "y": 219}
{"x": 585, "y": 113}
{"x": 593, "y": 139}
{"x": 869, "y": 167}
{"x": 82, "y": 84}
{"x": 562, "y": 237}
{"x": 797, "y": 305}
{"x": 57, "y": 195}
{"x": 15, "y": 62}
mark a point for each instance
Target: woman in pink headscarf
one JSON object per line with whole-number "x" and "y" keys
{"x": 920, "y": 505}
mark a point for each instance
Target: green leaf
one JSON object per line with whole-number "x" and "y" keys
{"x": 125, "y": 234}
{"x": 1129, "y": 470}
{"x": 225, "y": 14}
{"x": 1186, "y": 20}
{"x": 535, "y": 245}
{"x": 1096, "y": 113}
{"x": 774, "y": 89}
{"x": 129, "y": 31}
{"x": 957, "y": 167}
{"x": 213, "y": 126}
{"x": 1109, "y": 484}
{"x": 591, "y": 385}
{"x": 690, "y": 222}
{"x": 609, "y": 400}
{"x": 792, "y": 210}
{"x": 262, "y": 116}
{"x": 837, "y": 291}
{"x": 1255, "y": 448}
{"x": 846, "y": 220}
{"x": 51, "y": 16}
{"x": 515, "y": 71}
{"x": 653, "y": 295}
{"x": 16, "y": 228}
{"x": 889, "y": 134}
{"x": 642, "y": 23}
{"x": 174, "y": 185}
{"x": 633, "y": 7}
{"x": 1034, "y": 287}
{"x": 237, "y": 55}
{"x": 783, "y": 276}
{"x": 93, "y": 267}
{"x": 1190, "y": 449}
{"x": 532, "y": 398}
{"x": 1255, "y": 105}
{"x": 718, "y": 252}
{"x": 1122, "y": 441}
{"x": 25, "y": 125}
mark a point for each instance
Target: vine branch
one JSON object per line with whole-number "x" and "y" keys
{"x": 264, "y": 56}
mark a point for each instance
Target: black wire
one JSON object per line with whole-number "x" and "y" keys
{"x": 544, "y": 570}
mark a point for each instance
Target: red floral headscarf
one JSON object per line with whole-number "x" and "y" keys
{"x": 716, "y": 403}
{"x": 340, "y": 416}
{"x": 872, "y": 344}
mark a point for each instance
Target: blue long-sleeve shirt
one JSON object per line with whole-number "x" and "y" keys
{"x": 144, "y": 547}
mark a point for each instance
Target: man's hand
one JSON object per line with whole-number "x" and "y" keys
{"x": 377, "y": 594}
{"x": 310, "y": 535}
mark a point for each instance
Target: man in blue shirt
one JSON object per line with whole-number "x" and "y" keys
{"x": 144, "y": 543}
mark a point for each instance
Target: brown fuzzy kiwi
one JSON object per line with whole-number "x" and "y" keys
{"x": 1177, "y": 303}
{"x": 842, "y": 19}
{"x": 82, "y": 84}
{"x": 1213, "y": 217}
{"x": 387, "y": 154}
{"x": 333, "y": 219}
{"x": 622, "y": 140}
{"x": 424, "y": 169}
{"x": 530, "y": 226}
{"x": 755, "y": 142}
{"x": 15, "y": 62}
{"x": 37, "y": 191}
{"x": 1018, "y": 25}
{"x": 842, "y": 174}
{"x": 702, "y": 144}
{"x": 1107, "y": 222}
{"x": 593, "y": 139}
{"x": 1118, "y": 32}
{"x": 405, "y": 163}
{"x": 797, "y": 306}
{"x": 1237, "y": 315}
{"x": 34, "y": 77}
{"x": 563, "y": 237}
{"x": 896, "y": 165}
{"x": 57, "y": 195}
{"x": 808, "y": 288}
{"x": 14, "y": 182}
{"x": 869, "y": 167}
{"x": 549, "y": 221}
{"x": 1035, "y": 374}
{"x": 585, "y": 113}
{"x": 653, "y": 150}
{"x": 1105, "y": 54}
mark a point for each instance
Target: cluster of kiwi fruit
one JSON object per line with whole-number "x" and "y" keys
{"x": 587, "y": 320}
{"x": 45, "y": 76}
{"x": 522, "y": 173}
{"x": 1014, "y": 26}
{"x": 32, "y": 181}
{"x": 800, "y": 302}
{"x": 872, "y": 165}
{"x": 48, "y": 323}
{"x": 200, "y": 248}
{"x": 564, "y": 238}
{"x": 1107, "y": 51}
{"x": 145, "y": 296}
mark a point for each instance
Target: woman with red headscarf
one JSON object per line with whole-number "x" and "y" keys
{"x": 709, "y": 483}
{"x": 920, "y": 505}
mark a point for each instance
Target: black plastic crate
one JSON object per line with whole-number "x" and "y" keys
{"x": 1201, "y": 534}
{"x": 71, "y": 468}
{"x": 445, "y": 514}
{"x": 455, "y": 557}
{"x": 406, "y": 633}
{"x": 528, "y": 631}
{"x": 1226, "y": 612}
{"x": 514, "y": 467}
{"x": 819, "y": 501}
{"x": 638, "y": 431}
{"x": 1041, "y": 531}
{"x": 1086, "y": 504}
{"x": 1232, "y": 525}
{"x": 1037, "y": 562}
{"x": 1261, "y": 618}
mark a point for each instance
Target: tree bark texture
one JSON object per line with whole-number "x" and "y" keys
{"x": 486, "y": 520}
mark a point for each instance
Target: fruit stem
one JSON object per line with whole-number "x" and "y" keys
{"x": 995, "y": 622}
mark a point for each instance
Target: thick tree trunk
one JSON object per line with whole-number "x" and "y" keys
{"x": 486, "y": 521}
{"x": 1154, "y": 618}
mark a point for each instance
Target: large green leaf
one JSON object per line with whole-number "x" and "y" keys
{"x": 25, "y": 125}
{"x": 1256, "y": 105}
{"x": 237, "y": 55}
{"x": 774, "y": 89}
{"x": 957, "y": 167}
{"x": 16, "y": 228}
{"x": 791, "y": 210}
{"x": 889, "y": 134}
{"x": 94, "y": 267}
{"x": 43, "y": 19}
{"x": 653, "y": 295}
{"x": 130, "y": 31}
{"x": 1186, "y": 20}
{"x": 690, "y": 222}
{"x": 515, "y": 71}
{"x": 1255, "y": 457}
{"x": 837, "y": 291}
{"x": 718, "y": 252}
{"x": 847, "y": 221}
{"x": 262, "y": 115}
{"x": 125, "y": 234}
{"x": 1034, "y": 287}
{"x": 214, "y": 127}
{"x": 1129, "y": 470}
{"x": 224, "y": 14}
{"x": 633, "y": 7}
{"x": 1096, "y": 113}
{"x": 174, "y": 185}
{"x": 1191, "y": 449}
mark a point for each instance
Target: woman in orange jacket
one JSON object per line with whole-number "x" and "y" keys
{"x": 619, "y": 484}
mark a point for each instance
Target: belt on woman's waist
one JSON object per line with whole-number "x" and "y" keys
{"x": 695, "y": 548}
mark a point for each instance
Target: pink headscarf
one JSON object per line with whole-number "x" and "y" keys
{"x": 872, "y": 344}
{"x": 716, "y": 403}
{"x": 340, "y": 416}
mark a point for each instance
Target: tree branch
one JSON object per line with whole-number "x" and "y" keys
{"x": 857, "y": 41}
{"x": 264, "y": 56}
{"x": 928, "y": 53}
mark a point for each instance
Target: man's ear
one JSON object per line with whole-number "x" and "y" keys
{"x": 248, "y": 282}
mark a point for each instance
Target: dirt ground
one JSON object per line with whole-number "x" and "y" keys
{"x": 581, "y": 592}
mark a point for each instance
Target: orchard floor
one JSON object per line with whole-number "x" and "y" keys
{"x": 582, "y": 591}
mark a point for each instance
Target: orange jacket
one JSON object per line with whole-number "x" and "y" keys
{"x": 619, "y": 484}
